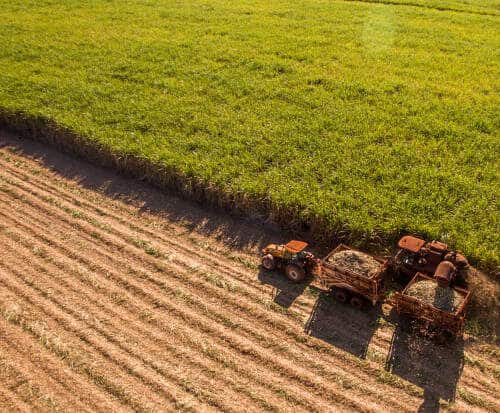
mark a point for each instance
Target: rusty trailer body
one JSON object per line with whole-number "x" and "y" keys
{"x": 349, "y": 285}
{"x": 431, "y": 318}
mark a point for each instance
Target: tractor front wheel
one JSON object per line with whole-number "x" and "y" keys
{"x": 295, "y": 273}
{"x": 268, "y": 262}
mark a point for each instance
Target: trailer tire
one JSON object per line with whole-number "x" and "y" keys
{"x": 448, "y": 336}
{"x": 340, "y": 295}
{"x": 295, "y": 273}
{"x": 268, "y": 262}
{"x": 357, "y": 302}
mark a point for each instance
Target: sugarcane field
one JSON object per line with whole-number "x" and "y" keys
{"x": 249, "y": 206}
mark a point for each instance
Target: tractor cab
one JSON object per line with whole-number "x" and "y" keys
{"x": 421, "y": 255}
{"x": 286, "y": 251}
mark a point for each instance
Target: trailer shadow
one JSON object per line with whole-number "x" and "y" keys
{"x": 286, "y": 292}
{"x": 433, "y": 367}
{"x": 343, "y": 326}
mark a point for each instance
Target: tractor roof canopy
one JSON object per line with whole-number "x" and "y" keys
{"x": 410, "y": 243}
{"x": 296, "y": 246}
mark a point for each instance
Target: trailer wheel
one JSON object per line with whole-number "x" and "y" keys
{"x": 268, "y": 262}
{"x": 340, "y": 295}
{"x": 357, "y": 302}
{"x": 295, "y": 273}
{"x": 448, "y": 336}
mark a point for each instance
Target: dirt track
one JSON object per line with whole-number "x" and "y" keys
{"x": 114, "y": 296}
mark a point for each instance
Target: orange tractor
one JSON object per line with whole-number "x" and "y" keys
{"x": 290, "y": 258}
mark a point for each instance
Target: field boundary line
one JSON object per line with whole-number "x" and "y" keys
{"x": 422, "y": 6}
{"x": 320, "y": 229}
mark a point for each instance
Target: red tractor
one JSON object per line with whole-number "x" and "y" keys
{"x": 290, "y": 258}
{"x": 431, "y": 258}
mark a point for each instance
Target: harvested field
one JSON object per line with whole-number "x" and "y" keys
{"x": 446, "y": 299}
{"x": 141, "y": 302}
{"x": 355, "y": 261}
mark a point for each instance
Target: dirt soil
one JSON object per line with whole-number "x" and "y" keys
{"x": 116, "y": 297}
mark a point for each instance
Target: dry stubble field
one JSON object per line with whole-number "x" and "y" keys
{"x": 115, "y": 297}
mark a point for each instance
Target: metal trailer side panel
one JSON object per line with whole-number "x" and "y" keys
{"x": 427, "y": 313}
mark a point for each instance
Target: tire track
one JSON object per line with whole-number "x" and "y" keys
{"x": 137, "y": 331}
{"x": 237, "y": 345}
{"x": 253, "y": 297}
{"x": 53, "y": 388}
{"x": 245, "y": 310}
{"x": 227, "y": 267}
{"x": 87, "y": 344}
{"x": 10, "y": 401}
{"x": 21, "y": 389}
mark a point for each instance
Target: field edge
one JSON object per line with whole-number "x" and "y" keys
{"x": 313, "y": 228}
{"x": 44, "y": 130}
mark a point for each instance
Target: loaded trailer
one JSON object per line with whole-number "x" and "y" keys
{"x": 345, "y": 272}
{"x": 435, "y": 309}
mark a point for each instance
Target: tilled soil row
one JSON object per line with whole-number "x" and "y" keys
{"x": 93, "y": 220}
{"x": 237, "y": 343}
{"x": 255, "y": 311}
{"x": 167, "y": 338}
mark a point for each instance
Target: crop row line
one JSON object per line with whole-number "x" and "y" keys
{"x": 222, "y": 297}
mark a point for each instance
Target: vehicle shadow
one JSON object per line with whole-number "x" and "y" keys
{"x": 343, "y": 326}
{"x": 431, "y": 366}
{"x": 286, "y": 292}
{"x": 243, "y": 233}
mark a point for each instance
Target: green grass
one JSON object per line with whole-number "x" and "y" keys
{"x": 365, "y": 119}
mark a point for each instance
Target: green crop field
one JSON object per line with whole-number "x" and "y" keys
{"x": 365, "y": 119}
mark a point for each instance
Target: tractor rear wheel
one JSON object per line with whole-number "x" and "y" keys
{"x": 340, "y": 295}
{"x": 295, "y": 273}
{"x": 268, "y": 262}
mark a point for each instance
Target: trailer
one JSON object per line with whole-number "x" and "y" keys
{"x": 350, "y": 284}
{"x": 429, "y": 318}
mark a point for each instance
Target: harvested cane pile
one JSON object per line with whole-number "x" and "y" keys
{"x": 355, "y": 261}
{"x": 446, "y": 299}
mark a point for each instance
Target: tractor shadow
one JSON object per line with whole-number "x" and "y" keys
{"x": 285, "y": 291}
{"x": 433, "y": 367}
{"x": 343, "y": 326}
